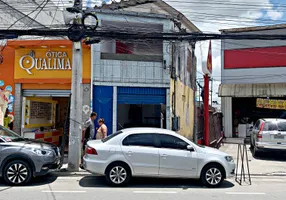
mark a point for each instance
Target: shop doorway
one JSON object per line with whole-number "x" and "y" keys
{"x": 245, "y": 113}
{"x": 135, "y": 115}
{"x": 141, "y": 107}
{"x": 45, "y": 118}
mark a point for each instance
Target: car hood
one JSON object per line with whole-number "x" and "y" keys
{"x": 210, "y": 150}
{"x": 28, "y": 143}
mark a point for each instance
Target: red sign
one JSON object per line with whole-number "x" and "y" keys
{"x": 257, "y": 57}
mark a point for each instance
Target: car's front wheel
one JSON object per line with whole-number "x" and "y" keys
{"x": 212, "y": 175}
{"x": 17, "y": 172}
{"x": 118, "y": 174}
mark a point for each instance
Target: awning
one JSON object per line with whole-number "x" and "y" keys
{"x": 252, "y": 90}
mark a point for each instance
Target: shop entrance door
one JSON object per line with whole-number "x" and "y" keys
{"x": 141, "y": 107}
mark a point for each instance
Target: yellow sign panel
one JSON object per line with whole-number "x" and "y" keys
{"x": 271, "y": 104}
{"x": 48, "y": 63}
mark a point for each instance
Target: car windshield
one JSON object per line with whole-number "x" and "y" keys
{"x": 272, "y": 126}
{"x": 111, "y": 136}
{"x": 8, "y": 135}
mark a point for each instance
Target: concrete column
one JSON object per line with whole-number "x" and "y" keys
{"x": 18, "y": 108}
{"x": 114, "y": 113}
{"x": 226, "y": 107}
{"x": 76, "y": 110}
{"x": 96, "y": 62}
{"x": 168, "y": 110}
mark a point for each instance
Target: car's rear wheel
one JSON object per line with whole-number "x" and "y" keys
{"x": 17, "y": 172}
{"x": 212, "y": 175}
{"x": 118, "y": 174}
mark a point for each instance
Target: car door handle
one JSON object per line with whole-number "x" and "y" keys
{"x": 164, "y": 156}
{"x": 129, "y": 153}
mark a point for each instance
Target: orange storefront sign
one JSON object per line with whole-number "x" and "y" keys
{"x": 53, "y": 63}
{"x": 7, "y": 79}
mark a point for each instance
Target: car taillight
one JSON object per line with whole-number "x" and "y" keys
{"x": 259, "y": 135}
{"x": 90, "y": 150}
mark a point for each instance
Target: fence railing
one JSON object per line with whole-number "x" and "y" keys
{"x": 215, "y": 126}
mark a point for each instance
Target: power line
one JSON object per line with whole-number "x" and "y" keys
{"x": 207, "y": 17}
{"x": 27, "y": 14}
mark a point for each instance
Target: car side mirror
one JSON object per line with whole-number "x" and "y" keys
{"x": 190, "y": 148}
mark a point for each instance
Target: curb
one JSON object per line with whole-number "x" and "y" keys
{"x": 67, "y": 173}
{"x": 267, "y": 175}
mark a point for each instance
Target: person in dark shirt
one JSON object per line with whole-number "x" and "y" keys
{"x": 88, "y": 133}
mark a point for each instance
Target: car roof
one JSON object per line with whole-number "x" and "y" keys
{"x": 148, "y": 130}
{"x": 274, "y": 120}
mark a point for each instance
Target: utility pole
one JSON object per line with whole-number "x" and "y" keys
{"x": 76, "y": 101}
{"x": 206, "y": 108}
{"x": 207, "y": 70}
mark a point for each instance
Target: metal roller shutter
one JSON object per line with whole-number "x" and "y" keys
{"x": 46, "y": 93}
{"x": 141, "y": 95}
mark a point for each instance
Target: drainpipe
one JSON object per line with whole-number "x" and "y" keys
{"x": 195, "y": 135}
{"x": 91, "y": 77}
{"x": 175, "y": 80}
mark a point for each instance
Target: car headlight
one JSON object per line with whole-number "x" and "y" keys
{"x": 43, "y": 152}
{"x": 228, "y": 158}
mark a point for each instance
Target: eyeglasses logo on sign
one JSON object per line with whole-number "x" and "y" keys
{"x": 52, "y": 61}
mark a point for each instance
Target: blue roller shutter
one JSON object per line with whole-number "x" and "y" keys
{"x": 141, "y": 95}
{"x": 103, "y": 104}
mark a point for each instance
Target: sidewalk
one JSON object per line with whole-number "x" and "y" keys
{"x": 64, "y": 170}
{"x": 265, "y": 165}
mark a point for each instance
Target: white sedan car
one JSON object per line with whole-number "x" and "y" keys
{"x": 154, "y": 152}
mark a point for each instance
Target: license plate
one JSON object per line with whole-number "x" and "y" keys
{"x": 278, "y": 136}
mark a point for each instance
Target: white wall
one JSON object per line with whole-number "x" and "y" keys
{"x": 117, "y": 71}
{"x": 227, "y": 115}
{"x": 254, "y": 76}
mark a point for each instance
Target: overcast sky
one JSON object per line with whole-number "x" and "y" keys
{"x": 213, "y": 15}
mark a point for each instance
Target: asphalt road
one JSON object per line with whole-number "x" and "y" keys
{"x": 91, "y": 188}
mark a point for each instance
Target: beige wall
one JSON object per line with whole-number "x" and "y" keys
{"x": 184, "y": 107}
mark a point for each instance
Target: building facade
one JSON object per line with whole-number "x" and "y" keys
{"x": 38, "y": 73}
{"x": 133, "y": 83}
{"x": 128, "y": 83}
{"x": 252, "y": 71}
